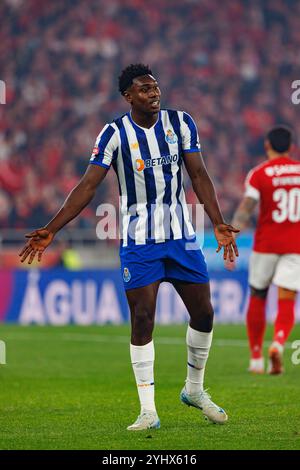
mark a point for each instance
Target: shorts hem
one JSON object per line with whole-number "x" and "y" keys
{"x": 137, "y": 285}
{"x": 188, "y": 281}
{"x": 166, "y": 279}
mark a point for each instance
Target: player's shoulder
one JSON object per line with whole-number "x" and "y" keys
{"x": 112, "y": 127}
{"x": 269, "y": 168}
{"x": 165, "y": 111}
{"x": 282, "y": 162}
{"x": 183, "y": 116}
{"x": 257, "y": 169}
{"x": 109, "y": 132}
{"x": 291, "y": 161}
{"x": 118, "y": 121}
{"x": 178, "y": 111}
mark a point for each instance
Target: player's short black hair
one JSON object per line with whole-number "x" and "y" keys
{"x": 131, "y": 72}
{"x": 280, "y": 138}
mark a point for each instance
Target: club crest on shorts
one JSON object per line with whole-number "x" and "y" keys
{"x": 170, "y": 137}
{"x": 126, "y": 275}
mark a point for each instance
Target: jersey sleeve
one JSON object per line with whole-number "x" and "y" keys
{"x": 106, "y": 147}
{"x": 252, "y": 186}
{"x": 189, "y": 133}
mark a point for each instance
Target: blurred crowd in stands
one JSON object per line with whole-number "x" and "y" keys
{"x": 229, "y": 64}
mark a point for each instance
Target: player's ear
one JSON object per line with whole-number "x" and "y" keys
{"x": 127, "y": 97}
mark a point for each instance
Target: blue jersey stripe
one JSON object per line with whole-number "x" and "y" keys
{"x": 114, "y": 165}
{"x": 115, "y": 155}
{"x": 128, "y": 169}
{"x": 102, "y": 144}
{"x": 192, "y": 127}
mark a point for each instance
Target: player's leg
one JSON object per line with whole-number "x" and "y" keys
{"x": 261, "y": 270}
{"x": 287, "y": 278}
{"x": 256, "y": 325}
{"x": 196, "y": 298}
{"x": 286, "y": 315}
{"x": 142, "y": 269}
{"x": 142, "y": 302}
{"x": 186, "y": 268}
{"x": 284, "y": 323}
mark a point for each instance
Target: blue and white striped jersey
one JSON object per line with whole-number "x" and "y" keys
{"x": 148, "y": 164}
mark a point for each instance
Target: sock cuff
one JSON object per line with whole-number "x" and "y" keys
{"x": 198, "y": 339}
{"x": 143, "y": 353}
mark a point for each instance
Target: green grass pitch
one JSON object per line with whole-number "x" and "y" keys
{"x": 73, "y": 388}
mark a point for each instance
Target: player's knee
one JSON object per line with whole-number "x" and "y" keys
{"x": 142, "y": 326}
{"x": 207, "y": 321}
{"x": 204, "y": 320}
{"x": 143, "y": 318}
{"x": 261, "y": 293}
{"x": 286, "y": 294}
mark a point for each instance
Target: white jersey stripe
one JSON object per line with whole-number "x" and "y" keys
{"x": 184, "y": 128}
{"x": 186, "y": 217}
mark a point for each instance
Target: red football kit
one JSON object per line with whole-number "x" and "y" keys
{"x": 275, "y": 184}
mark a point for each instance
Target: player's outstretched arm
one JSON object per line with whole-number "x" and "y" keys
{"x": 76, "y": 201}
{"x": 241, "y": 220}
{"x": 205, "y": 191}
{"x": 243, "y": 213}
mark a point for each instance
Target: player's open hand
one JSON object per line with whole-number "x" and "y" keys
{"x": 224, "y": 234}
{"x": 39, "y": 240}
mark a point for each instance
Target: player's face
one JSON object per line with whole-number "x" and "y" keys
{"x": 144, "y": 95}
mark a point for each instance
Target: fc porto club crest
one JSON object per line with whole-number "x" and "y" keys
{"x": 126, "y": 275}
{"x": 170, "y": 137}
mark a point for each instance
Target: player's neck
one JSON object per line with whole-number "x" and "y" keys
{"x": 144, "y": 120}
{"x": 272, "y": 155}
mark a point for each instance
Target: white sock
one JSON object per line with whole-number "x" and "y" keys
{"x": 142, "y": 359}
{"x": 198, "y": 346}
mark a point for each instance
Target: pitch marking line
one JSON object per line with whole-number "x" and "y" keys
{"x": 25, "y": 336}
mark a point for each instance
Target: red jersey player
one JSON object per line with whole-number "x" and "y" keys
{"x": 275, "y": 186}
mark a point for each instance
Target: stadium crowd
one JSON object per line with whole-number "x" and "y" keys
{"x": 229, "y": 64}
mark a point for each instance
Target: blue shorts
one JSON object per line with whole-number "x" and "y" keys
{"x": 143, "y": 264}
